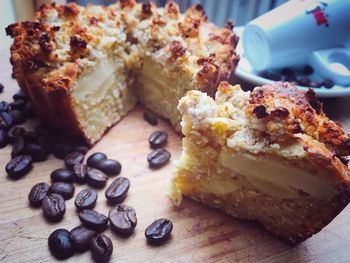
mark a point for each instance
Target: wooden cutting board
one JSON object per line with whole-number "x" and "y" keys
{"x": 200, "y": 234}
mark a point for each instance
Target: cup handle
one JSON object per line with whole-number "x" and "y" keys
{"x": 333, "y": 64}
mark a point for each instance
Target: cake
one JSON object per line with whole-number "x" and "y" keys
{"x": 83, "y": 68}
{"x": 269, "y": 155}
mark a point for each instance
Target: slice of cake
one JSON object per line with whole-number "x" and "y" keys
{"x": 269, "y": 155}
{"x": 85, "y": 68}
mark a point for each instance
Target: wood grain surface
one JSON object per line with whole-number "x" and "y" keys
{"x": 200, "y": 234}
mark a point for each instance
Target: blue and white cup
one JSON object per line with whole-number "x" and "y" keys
{"x": 302, "y": 32}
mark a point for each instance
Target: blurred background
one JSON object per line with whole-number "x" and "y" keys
{"x": 218, "y": 11}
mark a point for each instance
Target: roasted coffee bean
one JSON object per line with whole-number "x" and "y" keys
{"x": 42, "y": 129}
{"x": 158, "y": 139}
{"x": 117, "y": 190}
{"x": 6, "y": 120}
{"x": 19, "y": 96}
{"x": 30, "y": 136}
{"x": 95, "y": 158}
{"x": 328, "y": 84}
{"x": 101, "y": 248}
{"x": 38, "y": 193}
{"x": 36, "y": 151}
{"x": 17, "y": 116}
{"x": 61, "y": 150}
{"x": 73, "y": 158}
{"x": 93, "y": 220}
{"x": 159, "y": 231}
{"x": 123, "y": 219}
{"x": 158, "y": 158}
{"x": 4, "y": 106}
{"x": 28, "y": 111}
{"x": 79, "y": 173}
{"x": 315, "y": 84}
{"x": 81, "y": 238}
{"x": 17, "y": 104}
{"x": 270, "y": 75}
{"x": 3, "y": 138}
{"x": 60, "y": 244}
{"x": 62, "y": 175}
{"x": 304, "y": 81}
{"x": 82, "y": 148}
{"x": 1, "y": 88}
{"x": 308, "y": 70}
{"x": 86, "y": 199}
{"x": 96, "y": 178}
{"x": 15, "y": 132}
{"x": 53, "y": 206}
{"x": 19, "y": 166}
{"x": 46, "y": 141}
{"x": 109, "y": 166}
{"x": 150, "y": 118}
{"x": 62, "y": 188}
{"x": 18, "y": 146}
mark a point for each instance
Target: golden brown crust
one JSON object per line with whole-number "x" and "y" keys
{"x": 299, "y": 112}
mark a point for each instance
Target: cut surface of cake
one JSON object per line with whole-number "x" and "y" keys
{"x": 269, "y": 155}
{"x": 85, "y": 68}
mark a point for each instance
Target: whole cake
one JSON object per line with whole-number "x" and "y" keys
{"x": 269, "y": 155}
{"x": 85, "y": 68}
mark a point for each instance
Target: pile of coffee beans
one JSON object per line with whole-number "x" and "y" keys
{"x": 31, "y": 146}
{"x": 290, "y": 75}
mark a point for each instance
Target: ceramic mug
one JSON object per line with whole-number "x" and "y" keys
{"x": 302, "y": 32}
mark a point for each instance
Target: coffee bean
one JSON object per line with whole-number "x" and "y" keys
{"x": 30, "y": 136}
{"x": 60, "y": 244}
{"x": 95, "y": 158}
{"x": 62, "y": 175}
{"x": 42, "y": 129}
{"x": 270, "y": 75}
{"x": 158, "y": 139}
{"x": 17, "y": 104}
{"x": 19, "y": 96}
{"x": 158, "y": 158}
{"x": 315, "y": 84}
{"x": 6, "y": 120}
{"x": 38, "y": 193}
{"x": 3, "y": 138}
{"x": 17, "y": 116}
{"x": 328, "y": 84}
{"x": 18, "y": 146}
{"x": 93, "y": 220}
{"x": 81, "y": 238}
{"x": 15, "y": 132}
{"x": 64, "y": 189}
{"x": 19, "y": 166}
{"x": 96, "y": 178}
{"x": 117, "y": 190}
{"x": 36, "y": 151}
{"x": 53, "y": 206}
{"x": 304, "y": 81}
{"x": 79, "y": 173}
{"x": 150, "y": 118}
{"x": 159, "y": 231}
{"x": 1, "y": 88}
{"x": 28, "y": 111}
{"x": 308, "y": 70}
{"x": 73, "y": 158}
{"x": 4, "y": 106}
{"x": 86, "y": 199}
{"x": 101, "y": 248}
{"x": 109, "y": 166}
{"x": 123, "y": 219}
{"x": 82, "y": 148}
{"x": 61, "y": 150}
{"x": 46, "y": 141}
